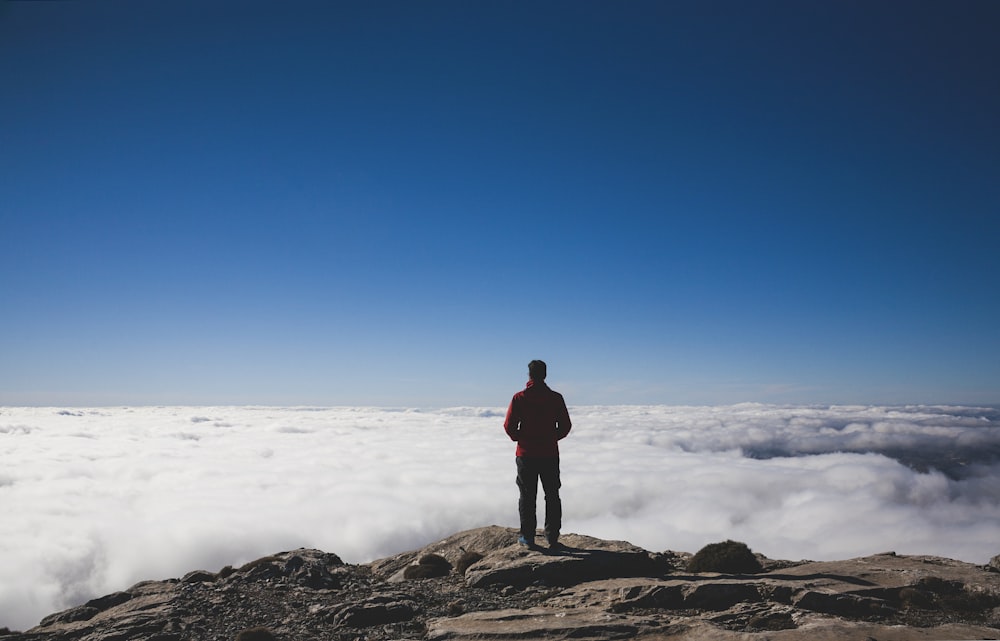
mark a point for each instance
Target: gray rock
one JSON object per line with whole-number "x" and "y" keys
{"x": 109, "y": 601}
{"x": 771, "y": 620}
{"x": 580, "y": 559}
{"x": 720, "y": 596}
{"x": 655, "y": 597}
{"x": 535, "y": 623}
{"x": 255, "y": 634}
{"x": 79, "y": 613}
{"x": 594, "y": 589}
{"x": 851, "y": 606}
{"x": 480, "y": 541}
{"x": 378, "y": 610}
{"x": 198, "y": 576}
{"x": 315, "y": 573}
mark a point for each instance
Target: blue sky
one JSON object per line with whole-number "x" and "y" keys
{"x": 400, "y": 203}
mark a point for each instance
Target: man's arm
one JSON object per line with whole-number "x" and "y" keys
{"x": 563, "y": 424}
{"x": 512, "y": 423}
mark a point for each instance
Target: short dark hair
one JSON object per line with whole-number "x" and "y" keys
{"x": 536, "y": 370}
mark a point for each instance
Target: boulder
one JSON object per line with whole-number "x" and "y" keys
{"x": 480, "y": 541}
{"x": 314, "y": 572}
{"x": 198, "y": 576}
{"x": 378, "y": 610}
{"x": 578, "y": 559}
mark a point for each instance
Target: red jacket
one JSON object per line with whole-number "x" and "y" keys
{"x": 537, "y": 418}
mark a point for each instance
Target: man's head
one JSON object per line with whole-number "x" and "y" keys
{"x": 536, "y": 370}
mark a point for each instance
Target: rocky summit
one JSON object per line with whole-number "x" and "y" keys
{"x": 482, "y": 585}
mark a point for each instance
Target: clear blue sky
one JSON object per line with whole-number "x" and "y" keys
{"x": 402, "y": 203}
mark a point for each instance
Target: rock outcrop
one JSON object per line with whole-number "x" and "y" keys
{"x": 480, "y": 585}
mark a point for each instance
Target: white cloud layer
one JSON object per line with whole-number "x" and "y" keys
{"x": 95, "y": 500}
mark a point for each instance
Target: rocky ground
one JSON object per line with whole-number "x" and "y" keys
{"x": 482, "y": 585}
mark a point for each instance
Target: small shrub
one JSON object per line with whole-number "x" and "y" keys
{"x": 429, "y": 566}
{"x": 255, "y": 634}
{"x": 728, "y": 557}
{"x": 422, "y": 572}
{"x": 435, "y": 560}
{"x": 467, "y": 560}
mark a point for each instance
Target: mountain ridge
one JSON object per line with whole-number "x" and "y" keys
{"x": 480, "y": 584}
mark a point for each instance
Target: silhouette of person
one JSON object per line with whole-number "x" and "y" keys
{"x": 537, "y": 419}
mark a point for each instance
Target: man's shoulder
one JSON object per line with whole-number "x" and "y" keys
{"x": 557, "y": 400}
{"x": 542, "y": 391}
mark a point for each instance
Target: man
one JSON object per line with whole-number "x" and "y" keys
{"x": 537, "y": 419}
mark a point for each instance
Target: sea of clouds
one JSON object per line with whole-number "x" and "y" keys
{"x": 95, "y": 500}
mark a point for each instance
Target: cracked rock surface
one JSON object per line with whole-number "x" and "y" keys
{"x": 481, "y": 585}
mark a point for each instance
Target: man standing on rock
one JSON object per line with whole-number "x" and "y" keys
{"x": 537, "y": 419}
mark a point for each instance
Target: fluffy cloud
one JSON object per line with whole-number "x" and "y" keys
{"x": 96, "y": 500}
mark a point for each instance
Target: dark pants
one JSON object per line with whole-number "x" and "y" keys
{"x": 529, "y": 471}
